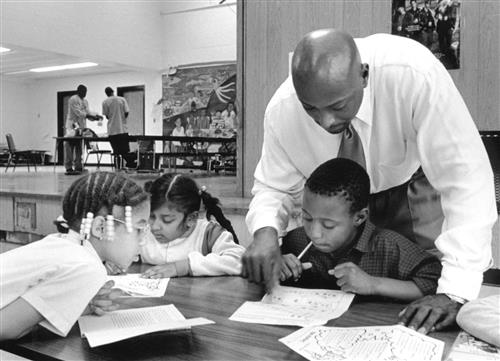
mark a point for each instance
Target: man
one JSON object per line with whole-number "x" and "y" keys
{"x": 388, "y": 103}
{"x": 116, "y": 109}
{"x": 78, "y": 111}
{"x": 428, "y": 25}
{"x": 411, "y": 22}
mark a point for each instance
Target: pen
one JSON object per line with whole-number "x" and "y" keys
{"x": 305, "y": 250}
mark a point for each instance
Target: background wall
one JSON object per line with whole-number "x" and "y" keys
{"x": 148, "y": 37}
{"x": 197, "y": 31}
{"x": 270, "y": 30}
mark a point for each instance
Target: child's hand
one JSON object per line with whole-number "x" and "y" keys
{"x": 113, "y": 269}
{"x": 104, "y": 300}
{"x": 161, "y": 271}
{"x": 351, "y": 278}
{"x": 292, "y": 267}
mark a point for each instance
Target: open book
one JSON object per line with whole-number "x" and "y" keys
{"x": 295, "y": 306}
{"x": 373, "y": 343}
{"x": 123, "y": 324}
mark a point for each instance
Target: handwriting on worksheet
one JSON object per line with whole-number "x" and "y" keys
{"x": 295, "y": 306}
{"x": 381, "y": 343}
{"x": 136, "y": 286}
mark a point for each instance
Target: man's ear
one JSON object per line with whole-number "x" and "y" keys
{"x": 365, "y": 71}
{"x": 360, "y": 216}
{"x": 98, "y": 225}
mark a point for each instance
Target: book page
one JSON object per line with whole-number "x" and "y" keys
{"x": 123, "y": 324}
{"x": 136, "y": 286}
{"x": 467, "y": 347}
{"x": 295, "y": 306}
{"x": 377, "y": 343}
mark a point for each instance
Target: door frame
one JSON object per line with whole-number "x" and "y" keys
{"x": 61, "y": 122}
{"x": 125, "y": 89}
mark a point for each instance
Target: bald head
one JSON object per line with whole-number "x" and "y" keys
{"x": 324, "y": 55}
{"x": 328, "y": 77}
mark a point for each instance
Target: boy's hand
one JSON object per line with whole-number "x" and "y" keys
{"x": 292, "y": 267}
{"x": 161, "y": 271}
{"x": 113, "y": 269}
{"x": 351, "y": 278}
{"x": 104, "y": 300}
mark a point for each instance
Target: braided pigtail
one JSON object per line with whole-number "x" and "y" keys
{"x": 212, "y": 206}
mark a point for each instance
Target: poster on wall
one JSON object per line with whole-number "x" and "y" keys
{"x": 433, "y": 23}
{"x": 25, "y": 216}
{"x": 199, "y": 101}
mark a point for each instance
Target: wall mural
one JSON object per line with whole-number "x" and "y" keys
{"x": 199, "y": 102}
{"x": 433, "y": 23}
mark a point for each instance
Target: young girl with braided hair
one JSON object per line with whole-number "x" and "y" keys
{"x": 55, "y": 280}
{"x": 181, "y": 244}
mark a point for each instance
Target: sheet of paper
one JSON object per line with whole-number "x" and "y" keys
{"x": 466, "y": 347}
{"x": 295, "y": 306}
{"x": 123, "y": 324}
{"x": 377, "y": 343}
{"x": 136, "y": 286}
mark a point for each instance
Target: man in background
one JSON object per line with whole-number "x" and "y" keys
{"x": 78, "y": 111}
{"x": 116, "y": 109}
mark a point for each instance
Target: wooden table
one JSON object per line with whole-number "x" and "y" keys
{"x": 215, "y": 298}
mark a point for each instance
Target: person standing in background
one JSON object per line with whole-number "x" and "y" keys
{"x": 116, "y": 109}
{"x": 78, "y": 111}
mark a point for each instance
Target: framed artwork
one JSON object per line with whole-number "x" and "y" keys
{"x": 25, "y": 216}
{"x": 200, "y": 100}
{"x": 433, "y": 23}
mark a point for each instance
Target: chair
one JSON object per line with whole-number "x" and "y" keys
{"x": 15, "y": 156}
{"x": 93, "y": 147}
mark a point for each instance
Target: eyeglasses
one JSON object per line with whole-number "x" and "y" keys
{"x": 141, "y": 229}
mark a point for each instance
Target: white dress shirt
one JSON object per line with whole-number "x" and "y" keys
{"x": 78, "y": 109}
{"x": 411, "y": 115}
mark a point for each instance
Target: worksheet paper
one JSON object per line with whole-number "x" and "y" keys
{"x": 123, "y": 324}
{"x": 295, "y": 306}
{"x": 467, "y": 347}
{"x": 136, "y": 286}
{"x": 377, "y": 343}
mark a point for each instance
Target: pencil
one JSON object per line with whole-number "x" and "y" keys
{"x": 305, "y": 250}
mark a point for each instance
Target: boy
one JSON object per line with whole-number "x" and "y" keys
{"x": 348, "y": 251}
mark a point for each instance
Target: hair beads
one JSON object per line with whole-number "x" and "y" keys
{"x": 86, "y": 226}
{"x": 110, "y": 228}
{"x": 128, "y": 219}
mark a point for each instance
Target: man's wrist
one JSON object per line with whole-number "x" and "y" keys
{"x": 455, "y": 298}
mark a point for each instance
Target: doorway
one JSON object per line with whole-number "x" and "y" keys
{"x": 62, "y": 112}
{"x": 134, "y": 95}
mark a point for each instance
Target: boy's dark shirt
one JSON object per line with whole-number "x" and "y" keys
{"x": 378, "y": 252}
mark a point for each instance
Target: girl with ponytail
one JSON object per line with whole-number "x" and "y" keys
{"x": 180, "y": 243}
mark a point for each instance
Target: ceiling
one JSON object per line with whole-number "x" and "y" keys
{"x": 14, "y": 65}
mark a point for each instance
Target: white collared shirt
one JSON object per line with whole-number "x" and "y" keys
{"x": 411, "y": 115}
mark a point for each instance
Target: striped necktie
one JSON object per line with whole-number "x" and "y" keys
{"x": 351, "y": 147}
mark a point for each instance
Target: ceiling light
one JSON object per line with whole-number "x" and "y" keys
{"x": 3, "y": 50}
{"x": 63, "y": 67}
